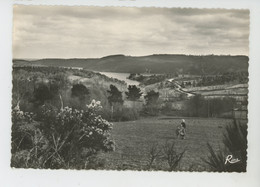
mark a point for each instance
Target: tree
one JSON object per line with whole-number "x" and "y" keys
{"x": 80, "y": 91}
{"x": 60, "y": 82}
{"x": 115, "y": 95}
{"x": 80, "y": 95}
{"x": 151, "y": 99}
{"x": 41, "y": 94}
{"x": 133, "y": 93}
{"x": 115, "y": 99}
{"x": 197, "y": 106}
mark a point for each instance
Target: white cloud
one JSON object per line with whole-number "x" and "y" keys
{"x": 67, "y": 32}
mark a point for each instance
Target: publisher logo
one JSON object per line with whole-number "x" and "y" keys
{"x": 231, "y": 160}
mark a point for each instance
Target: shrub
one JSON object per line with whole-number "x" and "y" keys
{"x": 235, "y": 140}
{"x": 126, "y": 114}
{"x": 63, "y": 138}
{"x": 27, "y": 140}
{"x": 155, "y": 152}
{"x": 172, "y": 156}
{"x": 216, "y": 160}
{"x": 158, "y": 154}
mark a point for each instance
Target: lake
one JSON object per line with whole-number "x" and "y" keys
{"x": 121, "y": 76}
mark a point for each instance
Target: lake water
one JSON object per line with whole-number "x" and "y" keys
{"x": 121, "y": 76}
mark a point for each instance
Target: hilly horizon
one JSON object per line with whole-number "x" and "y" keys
{"x": 156, "y": 63}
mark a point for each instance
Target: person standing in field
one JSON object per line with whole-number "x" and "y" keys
{"x": 181, "y": 131}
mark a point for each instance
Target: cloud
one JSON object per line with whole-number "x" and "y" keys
{"x": 78, "y": 31}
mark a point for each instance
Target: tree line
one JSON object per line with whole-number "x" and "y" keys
{"x": 228, "y": 77}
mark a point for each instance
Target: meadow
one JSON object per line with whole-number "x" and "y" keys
{"x": 135, "y": 139}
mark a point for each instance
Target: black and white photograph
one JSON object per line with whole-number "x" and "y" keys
{"x": 129, "y": 93}
{"x": 130, "y": 88}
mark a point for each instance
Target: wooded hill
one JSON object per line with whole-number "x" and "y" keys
{"x": 161, "y": 63}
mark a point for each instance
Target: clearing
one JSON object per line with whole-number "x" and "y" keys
{"x": 134, "y": 139}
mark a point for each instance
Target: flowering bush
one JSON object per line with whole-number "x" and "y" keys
{"x": 69, "y": 136}
{"x": 27, "y": 140}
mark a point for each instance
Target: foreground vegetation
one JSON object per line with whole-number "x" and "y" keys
{"x": 65, "y": 138}
{"x": 54, "y": 126}
{"x": 140, "y": 145}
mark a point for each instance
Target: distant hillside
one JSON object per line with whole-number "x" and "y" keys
{"x": 164, "y": 63}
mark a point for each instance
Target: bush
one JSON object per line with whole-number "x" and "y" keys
{"x": 172, "y": 156}
{"x": 126, "y": 114}
{"x": 167, "y": 153}
{"x": 235, "y": 140}
{"x": 63, "y": 138}
{"x": 154, "y": 153}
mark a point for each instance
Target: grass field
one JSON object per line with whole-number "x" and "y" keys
{"x": 134, "y": 140}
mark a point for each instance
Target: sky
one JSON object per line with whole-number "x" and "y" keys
{"x": 94, "y": 32}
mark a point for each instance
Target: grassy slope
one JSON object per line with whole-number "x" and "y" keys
{"x": 133, "y": 140}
